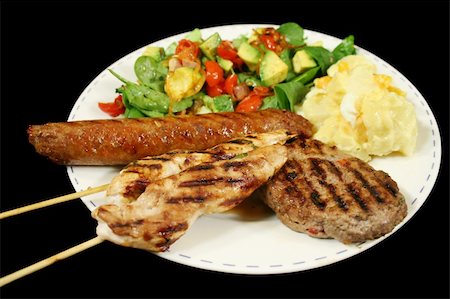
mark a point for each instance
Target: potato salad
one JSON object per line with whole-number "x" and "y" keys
{"x": 360, "y": 111}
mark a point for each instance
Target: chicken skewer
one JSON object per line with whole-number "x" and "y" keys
{"x": 133, "y": 179}
{"x": 230, "y": 182}
{"x": 168, "y": 207}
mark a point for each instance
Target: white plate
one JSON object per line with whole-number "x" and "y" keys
{"x": 262, "y": 245}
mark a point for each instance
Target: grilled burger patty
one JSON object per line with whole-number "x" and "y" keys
{"x": 328, "y": 194}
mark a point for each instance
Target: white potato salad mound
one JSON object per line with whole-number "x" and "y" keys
{"x": 360, "y": 111}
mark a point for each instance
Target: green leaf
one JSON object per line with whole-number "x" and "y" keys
{"x": 289, "y": 94}
{"x": 286, "y": 56}
{"x": 293, "y": 33}
{"x": 269, "y": 102}
{"x": 133, "y": 113}
{"x": 182, "y": 105}
{"x": 145, "y": 98}
{"x": 345, "y": 48}
{"x": 307, "y": 76}
{"x": 322, "y": 56}
{"x": 150, "y": 72}
{"x": 249, "y": 79}
{"x": 152, "y": 113}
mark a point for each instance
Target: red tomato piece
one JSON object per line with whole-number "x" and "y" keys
{"x": 186, "y": 45}
{"x": 214, "y": 73}
{"x": 115, "y": 108}
{"x": 214, "y": 91}
{"x": 262, "y": 91}
{"x": 230, "y": 83}
{"x": 226, "y": 50}
{"x": 250, "y": 103}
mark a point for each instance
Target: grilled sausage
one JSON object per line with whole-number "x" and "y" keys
{"x": 121, "y": 141}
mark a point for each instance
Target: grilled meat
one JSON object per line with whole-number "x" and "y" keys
{"x": 121, "y": 141}
{"x": 135, "y": 177}
{"x": 327, "y": 194}
{"x": 168, "y": 207}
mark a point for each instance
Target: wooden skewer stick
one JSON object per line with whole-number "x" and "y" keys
{"x": 53, "y": 201}
{"x": 50, "y": 260}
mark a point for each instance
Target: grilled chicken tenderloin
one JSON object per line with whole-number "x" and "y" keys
{"x": 135, "y": 177}
{"x": 169, "y": 206}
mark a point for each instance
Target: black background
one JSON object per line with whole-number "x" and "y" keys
{"x": 51, "y": 51}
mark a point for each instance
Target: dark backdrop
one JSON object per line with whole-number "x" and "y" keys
{"x": 50, "y": 52}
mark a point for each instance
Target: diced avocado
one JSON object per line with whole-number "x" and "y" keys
{"x": 226, "y": 64}
{"x": 156, "y": 53}
{"x": 249, "y": 55}
{"x": 272, "y": 70}
{"x": 209, "y": 46}
{"x": 302, "y": 61}
{"x": 194, "y": 36}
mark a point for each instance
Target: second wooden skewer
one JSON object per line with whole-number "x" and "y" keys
{"x": 53, "y": 201}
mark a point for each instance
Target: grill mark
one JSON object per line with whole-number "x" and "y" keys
{"x": 202, "y": 167}
{"x": 200, "y": 182}
{"x": 292, "y": 140}
{"x": 334, "y": 169}
{"x": 158, "y": 159}
{"x": 316, "y": 164}
{"x": 133, "y": 223}
{"x": 186, "y": 199}
{"x": 234, "y": 165}
{"x": 140, "y": 166}
{"x": 372, "y": 189}
{"x": 354, "y": 193}
{"x": 340, "y": 202}
{"x": 384, "y": 183}
{"x": 136, "y": 188}
{"x": 317, "y": 169}
{"x": 314, "y": 196}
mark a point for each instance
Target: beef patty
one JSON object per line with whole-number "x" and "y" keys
{"x": 328, "y": 194}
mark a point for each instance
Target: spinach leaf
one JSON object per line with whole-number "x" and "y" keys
{"x": 307, "y": 76}
{"x": 269, "y": 102}
{"x": 289, "y": 94}
{"x": 143, "y": 97}
{"x": 218, "y": 104}
{"x": 249, "y": 79}
{"x": 345, "y": 48}
{"x": 183, "y": 104}
{"x": 150, "y": 72}
{"x": 286, "y": 57}
{"x": 152, "y": 113}
{"x": 322, "y": 56}
{"x": 293, "y": 33}
{"x": 133, "y": 113}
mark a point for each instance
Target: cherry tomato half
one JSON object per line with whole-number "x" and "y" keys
{"x": 115, "y": 108}
{"x": 214, "y": 91}
{"x": 250, "y": 103}
{"x": 230, "y": 83}
{"x": 214, "y": 73}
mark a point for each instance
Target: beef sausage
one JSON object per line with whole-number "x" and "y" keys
{"x": 121, "y": 141}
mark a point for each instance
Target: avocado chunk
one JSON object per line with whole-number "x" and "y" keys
{"x": 249, "y": 55}
{"x": 226, "y": 64}
{"x": 302, "y": 61}
{"x": 194, "y": 36}
{"x": 209, "y": 46}
{"x": 156, "y": 53}
{"x": 272, "y": 70}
